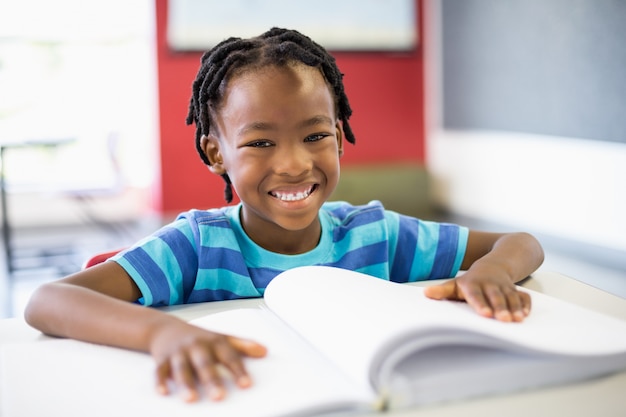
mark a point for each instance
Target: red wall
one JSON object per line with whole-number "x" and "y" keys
{"x": 385, "y": 92}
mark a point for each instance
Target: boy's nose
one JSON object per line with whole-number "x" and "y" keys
{"x": 292, "y": 161}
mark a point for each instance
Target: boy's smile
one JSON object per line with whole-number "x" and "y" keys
{"x": 294, "y": 195}
{"x": 279, "y": 141}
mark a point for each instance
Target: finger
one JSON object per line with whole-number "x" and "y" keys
{"x": 247, "y": 347}
{"x": 499, "y": 299}
{"x": 163, "y": 372}
{"x": 205, "y": 368}
{"x": 475, "y": 297}
{"x": 447, "y": 290}
{"x": 509, "y": 304}
{"x": 526, "y": 302}
{"x": 184, "y": 377}
{"x": 472, "y": 294}
{"x": 516, "y": 307}
{"x": 231, "y": 357}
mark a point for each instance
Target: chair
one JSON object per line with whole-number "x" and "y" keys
{"x": 87, "y": 197}
{"x": 99, "y": 258}
{"x": 59, "y": 257}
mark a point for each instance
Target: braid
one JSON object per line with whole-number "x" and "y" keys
{"x": 233, "y": 55}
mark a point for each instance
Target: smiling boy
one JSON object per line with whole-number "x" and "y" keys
{"x": 271, "y": 117}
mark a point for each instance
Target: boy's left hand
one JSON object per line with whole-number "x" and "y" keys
{"x": 490, "y": 292}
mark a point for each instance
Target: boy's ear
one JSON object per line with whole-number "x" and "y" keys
{"x": 339, "y": 129}
{"x": 211, "y": 148}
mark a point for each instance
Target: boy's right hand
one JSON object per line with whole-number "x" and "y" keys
{"x": 191, "y": 357}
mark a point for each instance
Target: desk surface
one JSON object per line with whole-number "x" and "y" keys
{"x": 600, "y": 397}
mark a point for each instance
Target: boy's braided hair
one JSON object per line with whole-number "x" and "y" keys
{"x": 235, "y": 55}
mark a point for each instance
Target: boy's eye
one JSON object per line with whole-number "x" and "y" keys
{"x": 316, "y": 137}
{"x": 259, "y": 144}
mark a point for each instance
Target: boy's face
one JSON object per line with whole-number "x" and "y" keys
{"x": 279, "y": 142}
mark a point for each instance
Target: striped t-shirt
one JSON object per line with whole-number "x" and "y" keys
{"x": 205, "y": 255}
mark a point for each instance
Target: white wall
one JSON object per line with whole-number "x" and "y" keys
{"x": 565, "y": 187}
{"x": 570, "y": 188}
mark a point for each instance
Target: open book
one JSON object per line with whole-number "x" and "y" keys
{"x": 338, "y": 342}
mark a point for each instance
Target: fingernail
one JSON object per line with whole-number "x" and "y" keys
{"x": 504, "y": 316}
{"x": 190, "y": 395}
{"x": 162, "y": 389}
{"x": 244, "y": 381}
{"x": 217, "y": 394}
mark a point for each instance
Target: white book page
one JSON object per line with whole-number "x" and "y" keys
{"x": 355, "y": 319}
{"x": 72, "y": 378}
{"x": 451, "y": 373}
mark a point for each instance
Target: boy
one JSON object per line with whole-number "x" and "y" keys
{"x": 271, "y": 116}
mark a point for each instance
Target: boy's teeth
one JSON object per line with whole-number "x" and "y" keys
{"x": 292, "y": 196}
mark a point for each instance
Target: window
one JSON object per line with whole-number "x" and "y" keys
{"x": 84, "y": 71}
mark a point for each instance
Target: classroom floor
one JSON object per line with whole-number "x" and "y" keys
{"x": 597, "y": 267}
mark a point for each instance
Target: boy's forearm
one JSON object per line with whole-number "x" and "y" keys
{"x": 520, "y": 254}
{"x": 66, "y": 310}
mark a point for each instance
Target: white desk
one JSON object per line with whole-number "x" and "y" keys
{"x": 603, "y": 397}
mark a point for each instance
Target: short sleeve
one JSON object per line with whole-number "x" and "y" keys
{"x": 425, "y": 250}
{"x": 164, "y": 265}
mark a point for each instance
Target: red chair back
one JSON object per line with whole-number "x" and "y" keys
{"x": 99, "y": 258}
